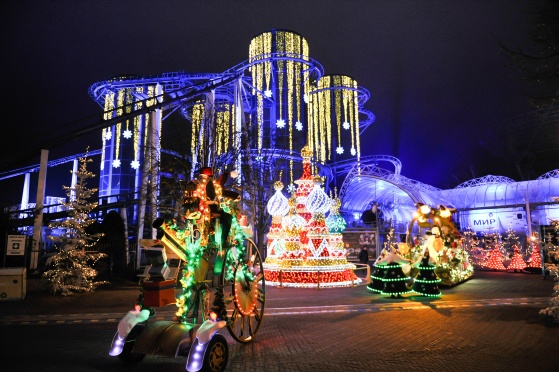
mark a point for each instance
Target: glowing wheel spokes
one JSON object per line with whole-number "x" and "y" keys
{"x": 246, "y": 311}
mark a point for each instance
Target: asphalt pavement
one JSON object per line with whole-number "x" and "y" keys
{"x": 490, "y": 322}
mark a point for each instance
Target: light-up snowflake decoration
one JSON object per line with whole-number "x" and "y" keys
{"x": 280, "y": 123}
{"x": 108, "y": 135}
{"x": 116, "y": 163}
{"x": 340, "y": 150}
{"x": 306, "y": 98}
{"x": 299, "y": 126}
{"x": 268, "y": 93}
{"x": 345, "y": 125}
{"x": 127, "y": 134}
{"x": 291, "y": 187}
{"x": 135, "y": 164}
{"x": 353, "y": 152}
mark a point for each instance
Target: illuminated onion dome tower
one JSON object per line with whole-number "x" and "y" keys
{"x": 318, "y": 203}
{"x": 336, "y": 225}
{"x": 314, "y": 263}
{"x": 277, "y": 207}
{"x": 292, "y": 225}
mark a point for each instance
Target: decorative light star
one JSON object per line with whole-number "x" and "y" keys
{"x": 345, "y": 125}
{"x": 116, "y": 163}
{"x": 290, "y": 187}
{"x": 280, "y": 123}
{"x": 268, "y": 93}
{"x": 127, "y": 133}
{"x": 135, "y": 164}
{"x": 299, "y": 126}
{"x": 340, "y": 150}
{"x": 108, "y": 135}
{"x": 353, "y": 152}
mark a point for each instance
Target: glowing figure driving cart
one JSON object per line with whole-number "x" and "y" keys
{"x": 209, "y": 233}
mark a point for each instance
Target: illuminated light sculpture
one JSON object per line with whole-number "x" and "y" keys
{"x": 517, "y": 262}
{"x": 444, "y": 243}
{"x": 278, "y": 207}
{"x": 292, "y": 225}
{"x": 304, "y": 186}
{"x": 318, "y": 203}
{"x": 312, "y": 263}
{"x": 395, "y": 281}
{"x": 426, "y": 282}
{"x": 535, "y": 259}
{"x": 379, "y": 270}
{"x": 495, "y": 260}
{"x": 336, "y": 225}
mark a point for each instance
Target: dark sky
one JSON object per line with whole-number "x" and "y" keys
{"x": 437, "y": 75}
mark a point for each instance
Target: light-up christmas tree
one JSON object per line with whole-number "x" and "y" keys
{"x": 378, "y": 272}
{"x": 534, "y": 261}
{"x": 495, "y": 260}
{"x": 511, "y": 241}
{"x": 71, "y": 268}
{"x": 395, "y": 281}
{"x": 426, "y": 282}
{"x": 517, "y": 262}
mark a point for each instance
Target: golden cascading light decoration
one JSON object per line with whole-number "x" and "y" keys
{"x": 106, "y": 132}
{"x": 137, "y": 126}
{"x": 223, "y": 124}
{"x": 118, "y": 127}
{"x": 333, "y": 109}
{"x": 197, "y": 117}
{"x": 286, "y": 79}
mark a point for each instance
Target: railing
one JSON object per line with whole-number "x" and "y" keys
{"x": 105, "y": 266}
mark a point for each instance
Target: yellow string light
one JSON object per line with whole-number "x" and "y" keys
{"x": 109, "y": 106}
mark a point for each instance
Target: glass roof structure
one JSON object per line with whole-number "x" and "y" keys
{"x": 397, "y": 195}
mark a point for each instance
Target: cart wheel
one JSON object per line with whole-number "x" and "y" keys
{"x": 246, "y": 310}
{"x": 217, "y": 354}
{"x": 127, "y": 355}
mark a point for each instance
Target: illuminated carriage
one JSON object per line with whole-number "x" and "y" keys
{"x": 220, "y": 261}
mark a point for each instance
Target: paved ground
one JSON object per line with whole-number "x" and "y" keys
{"x": 488, "y": 323}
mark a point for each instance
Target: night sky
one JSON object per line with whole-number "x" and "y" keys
{"x": 436, "y": 72}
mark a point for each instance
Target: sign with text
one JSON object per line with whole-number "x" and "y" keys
{"x": 16, "y": 245}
